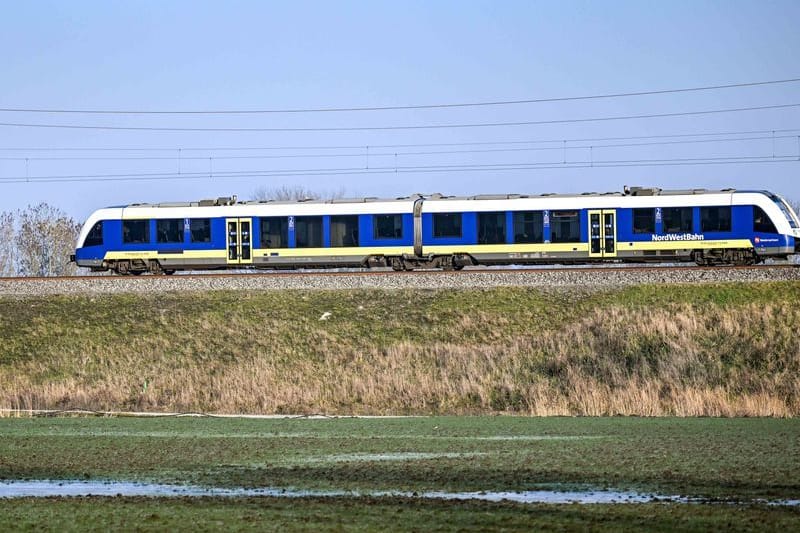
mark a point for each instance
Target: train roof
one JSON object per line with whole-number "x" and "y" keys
{"x": 232, "y": 200}
{"x": 640, "y": 197}
{"x": 628, "y": 191}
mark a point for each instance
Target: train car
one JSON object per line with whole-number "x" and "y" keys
{"x": 435, "y": 231}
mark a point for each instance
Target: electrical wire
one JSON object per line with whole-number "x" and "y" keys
{"x": 406, "y": 127}
{"x": 396, "y": 154}
{"x": 349, "y": 173}
{"x": 408, "y": 169}
{"x": 404, "y": 107}
{"x": 405, "y": 145}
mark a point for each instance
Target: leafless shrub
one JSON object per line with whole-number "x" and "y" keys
{"x": 287, "y": 193}
{"x": 8, "y": 250}
{"x": 795, "y": 204}
{"x": 44, "y": 239}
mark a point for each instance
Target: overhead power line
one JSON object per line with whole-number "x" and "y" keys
{"x": 406, "y": 127}
{"x": 409, "y": 169}
{"x": 396, "y": 108}
{"x": 363, "y": 153}
{"x": 404, "y": 145}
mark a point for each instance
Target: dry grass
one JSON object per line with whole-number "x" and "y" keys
{"x": 599, "y": 357}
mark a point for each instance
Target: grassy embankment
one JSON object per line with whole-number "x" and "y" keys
{"x": 649, "y": 350}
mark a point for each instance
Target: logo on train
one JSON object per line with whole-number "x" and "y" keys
{"x": 679, "y": 237}
{"x": 762, "y": 240}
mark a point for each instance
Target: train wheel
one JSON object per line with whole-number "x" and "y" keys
{"x": 121, "y": 268}
{"x": 398, "y": 264}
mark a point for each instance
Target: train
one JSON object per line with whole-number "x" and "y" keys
{"x": 639, "y": 224}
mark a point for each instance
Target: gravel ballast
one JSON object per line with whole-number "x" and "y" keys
{"x": 597, "y": 278}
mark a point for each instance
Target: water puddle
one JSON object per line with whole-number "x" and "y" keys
{"x": 534, "y": 437}
{"x": 354, "y": 458}
{"x": 550, "y": 496}
{"x": 44, "y": 488}
{"x": 399, "y": 456}
{"x": 24, "y": 489}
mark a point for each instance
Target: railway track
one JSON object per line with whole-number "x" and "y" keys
{"x": 389, "y": 272}
{"x": 571, "y": 278}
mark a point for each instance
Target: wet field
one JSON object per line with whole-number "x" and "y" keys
{"x": 446, "y": 467}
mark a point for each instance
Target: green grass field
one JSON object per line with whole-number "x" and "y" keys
{"x": 343, "y": 514}
{"x": 731, "y": 459}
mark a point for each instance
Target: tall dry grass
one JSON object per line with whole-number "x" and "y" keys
{"x": 680, "y": 359}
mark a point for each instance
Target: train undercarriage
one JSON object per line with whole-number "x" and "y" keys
{"x": 711, "y": 257}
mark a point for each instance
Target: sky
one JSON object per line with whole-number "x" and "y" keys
{"x": 238, "y": 55}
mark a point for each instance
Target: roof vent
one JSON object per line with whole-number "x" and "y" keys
{"x": 490, "y": 197}
{"x": 641, "y": 191}
{"x": 353, "y": 200}
{"x": 222, "y": 200}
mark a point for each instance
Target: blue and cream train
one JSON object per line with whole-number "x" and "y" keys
{"x": 435, "y": 231}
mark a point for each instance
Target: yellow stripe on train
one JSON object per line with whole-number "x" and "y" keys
{"x": 155, "y": 254}
{"x": 435, "y": 250}
{"x": 684, "y": 245}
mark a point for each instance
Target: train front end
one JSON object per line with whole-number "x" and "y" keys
{"x": 91, "y": 246}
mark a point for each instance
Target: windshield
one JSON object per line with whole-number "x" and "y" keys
{"x": 787, "y": 211}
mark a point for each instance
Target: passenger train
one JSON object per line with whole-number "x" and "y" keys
{"x": 434, "y": 231}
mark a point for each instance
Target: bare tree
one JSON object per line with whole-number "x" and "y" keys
{"x": 8, "y": 248}
{"x": 286, "y": 193}
{"x": 45, "y": 239}
{"x": 795, "y": 204}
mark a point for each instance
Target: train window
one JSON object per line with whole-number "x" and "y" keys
{"x": 344, "y": 231}
{"x": 308, "y": 232}
{"x": 95, "y": 236}
{"x": 761, "y": 221}
{"x": 491, "y": 228}
{"x": 135, "y": 231}
{"x": 644, "y": 220}
{"x": 200, "y": 228}
{"x": 387, "y": 226}
{"x": 447, "y": 224}
{"x": 274, "y": 232}
{"x": 528, "y": 227}
{"x": 565, "y": 226}
{"x": 677, "y": 219}
{"x": 169, "y": 230}
{"x": 715, "y": 219}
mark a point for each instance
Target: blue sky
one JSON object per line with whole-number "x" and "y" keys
{"x": 268, "y": 55}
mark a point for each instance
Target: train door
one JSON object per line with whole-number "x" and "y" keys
{"x": 240, "y": 245}
{"x": 603, "y": 233}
